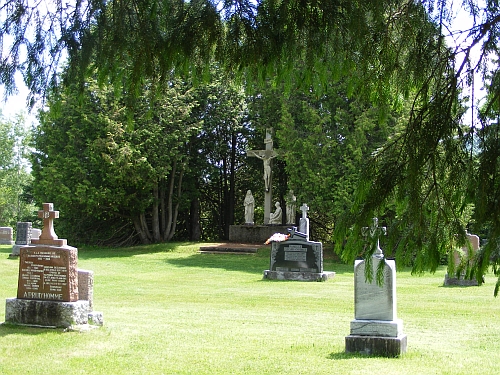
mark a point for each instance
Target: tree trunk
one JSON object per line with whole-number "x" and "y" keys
{"x": 232, "y": 180}
{"x": 155, "y": 214}
{"x": 176, "y": 209}
{"x": 195, "y": 227}
{"x": 141, "y": 231}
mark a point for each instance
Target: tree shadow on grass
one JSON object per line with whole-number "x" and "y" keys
{"x": 91, "y": 252}
{"x": 7, "y": 329}
{"x": 6, "y": 250}
{"x": 337, "y": 356}
{"x": 250, "y": 263}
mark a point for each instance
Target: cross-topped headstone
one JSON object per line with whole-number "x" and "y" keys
{"x": 304, "y": 208}
{"x": 266, "y": 155}
{"x": 374, "y": 232}
{"x": 49, "y": 236}
{"x": 304, "y": 221}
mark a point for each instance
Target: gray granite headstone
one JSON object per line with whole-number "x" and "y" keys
{"x": 459, "y": 260}
{"x": 6, "y": 236}
{"x": 304, "y": 221}
{"x": 23, "y": 237}
{"x": 297, "y": 259}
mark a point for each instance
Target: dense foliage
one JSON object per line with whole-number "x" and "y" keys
{"x": 421, "y": 182}
{"x": 16, "y": 202}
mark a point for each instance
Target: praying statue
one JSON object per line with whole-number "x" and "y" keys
{"x": 275, "y": 217}
{"x": 249, "y": 204}
{"x": 291, "y": 202}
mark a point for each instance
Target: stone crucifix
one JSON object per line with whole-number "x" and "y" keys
{"x": 266, "y": 155}
{"x": 374, "y": 232}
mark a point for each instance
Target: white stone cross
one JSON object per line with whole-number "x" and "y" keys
{"x": 304, "y": 208}
{"x": 266, "y": 155}
{"x": 375, "y": 232}
{"x": 48, "y": 215}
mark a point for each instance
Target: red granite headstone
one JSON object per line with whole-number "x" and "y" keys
{"x": 48, "y": 269}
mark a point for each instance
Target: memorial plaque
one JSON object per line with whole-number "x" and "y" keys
{"x": 48, "y": 273}
{"x": 297, "y": 256}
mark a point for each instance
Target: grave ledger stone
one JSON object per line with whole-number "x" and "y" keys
{"x": 459, "y": 259}
{"x": 297, "y": 259}
{"x": 48, "y": 283}
{"x": 376, "y": 329}
{"x": 6, "y": 236}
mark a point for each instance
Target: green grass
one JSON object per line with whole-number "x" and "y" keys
{"x": 170, "y": 310}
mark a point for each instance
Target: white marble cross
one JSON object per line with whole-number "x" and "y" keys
{"x": 304, "y": 208}
{"x": 374, "y": 232}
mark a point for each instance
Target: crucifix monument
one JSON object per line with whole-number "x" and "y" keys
{"x": 266, "y": 155}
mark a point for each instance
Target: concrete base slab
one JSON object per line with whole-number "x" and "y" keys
{"x": 46, "y": 313}
{"x": 459, "y": 281}
{"x": 376, "y": 345}
{"x": 298, "y": 276}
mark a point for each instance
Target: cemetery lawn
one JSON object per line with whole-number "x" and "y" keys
{"x": 170, "y": 310}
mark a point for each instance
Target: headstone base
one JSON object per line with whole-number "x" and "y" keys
{"x": 459, "y": 281}
{"x": 376, "y": 345}
{"x": 298, "y": 276}
{"x": 49, "y": 314}
{"x": 382, "y": 328}
{"x": 16, "y": 251}
{"x": 255, "y": 233}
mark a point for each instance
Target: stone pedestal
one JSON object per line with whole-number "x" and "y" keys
{"x": 374, "y": 345}
{"x": 255, "y": 234}
{"x": 46, "y": 313}
{"x": 298, "y": 276}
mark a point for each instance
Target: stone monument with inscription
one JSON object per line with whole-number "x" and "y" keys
{"x": 376, "y": 329}
{"x": 23, "y": 237}
{"x": 6, "y": 236}
{"x": 297, "y": 259}
{"x": 48, "y": 283}
{"x": 460, "y": 260}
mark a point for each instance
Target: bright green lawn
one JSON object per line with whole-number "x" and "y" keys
{"x": 170, "y": 310}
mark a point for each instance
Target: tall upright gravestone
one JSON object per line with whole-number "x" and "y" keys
{"x": 48, "y": 290}
{"x": 376, "y": 329}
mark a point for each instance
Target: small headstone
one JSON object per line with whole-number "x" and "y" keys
{"x": 376, "y": 329}
{"x": 23, "y": 237}
{"x": 304, "y": 221}
{"x": 6, "y": 237}
{"x": 35, "y": 233}
{"x": 48, "y": 283}
{"x": 459, "y": 259}
{"x": 297, "y": 259}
